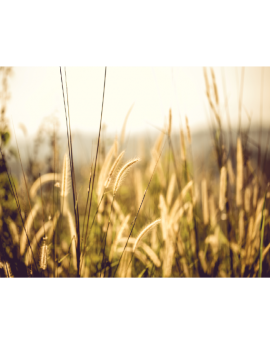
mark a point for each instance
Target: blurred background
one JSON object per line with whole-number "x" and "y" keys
{"x": 144, "y": 93}
{"x": 37, "y": 93}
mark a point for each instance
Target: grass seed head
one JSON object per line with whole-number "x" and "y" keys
{"x": 122, "y": 173}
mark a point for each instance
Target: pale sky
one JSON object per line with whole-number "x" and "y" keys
{"x": 36, "y": 92}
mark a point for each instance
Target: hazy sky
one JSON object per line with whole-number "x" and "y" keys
{"x": 36, "y": 92}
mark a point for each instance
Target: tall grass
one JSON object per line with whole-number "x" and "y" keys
{"x": 169, "y": 216}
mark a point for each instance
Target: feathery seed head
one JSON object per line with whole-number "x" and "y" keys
{"x": 109, "y": 178}
{"x": 65, "y": 177}
{"x": 144, "y": 231}
{"x": 122, "y": 173}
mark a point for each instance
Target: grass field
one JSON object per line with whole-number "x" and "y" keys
{"x": 155, "y": 215}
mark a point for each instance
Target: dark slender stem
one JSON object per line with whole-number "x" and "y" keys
{"x": 94, "y": 174}
{"x": 109, "y": 221}
{"x": 93, "y": 223}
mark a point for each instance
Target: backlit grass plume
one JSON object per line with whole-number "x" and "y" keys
{"x": 112, "y": 170}
{"x": 122, "y": 173}
{"x": 144, "y": 231}
{"x": 65, "y": 185}
{"x": 239, "y": 175}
